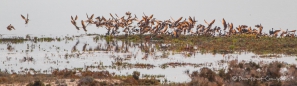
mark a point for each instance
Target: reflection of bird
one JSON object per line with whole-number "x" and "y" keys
{"x": 111, "y": 15}
{"x": 84, "y": 47}
{"x": 74, "y": 47}
{"x": 10, "y": 27}
{"x": 9, "y": 47}
{"x": 26, "y": 19}
{"x": 76, "y": 43}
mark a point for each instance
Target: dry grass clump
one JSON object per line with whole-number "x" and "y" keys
{"x": 88, "y": 81}
{"x": 246, "y": 74}
{"x": 135, "y": 80}
{"x": 37, "y": 83}
{"x": 7, "y": 78}
{"x": 205, "y": 78}
{"x": 64, "y": 73}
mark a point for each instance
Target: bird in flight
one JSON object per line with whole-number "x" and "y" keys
{"x": 26, "y": 19}
{"x": 10, "y": 27}
{"x": 73, "y": 21}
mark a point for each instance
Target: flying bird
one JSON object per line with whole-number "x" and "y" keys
{"x": 90, "y": 19}
{"x": 10, "y": 27}
{"x": 26, "y": 19}
{"x": 128, "y": 13}
{"x": 73, "y": 21}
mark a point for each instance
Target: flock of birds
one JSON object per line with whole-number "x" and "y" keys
{"x": 148, "y": 24}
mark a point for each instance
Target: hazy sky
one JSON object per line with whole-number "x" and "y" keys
{"x": 53, "y": 17}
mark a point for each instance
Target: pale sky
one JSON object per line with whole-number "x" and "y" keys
{"x": 53, "y": 17}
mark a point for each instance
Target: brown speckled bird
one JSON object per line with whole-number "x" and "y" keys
{"x": 10, "y": 27}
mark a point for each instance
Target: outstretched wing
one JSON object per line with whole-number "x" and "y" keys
{"x": 76, "y": 17}
{"x": 23, "y": 17}
{"x": 190, "y": 19}
{"x": 224, "y": 24}
{"x": 135, "y": 16}
{"x": 117, "y": 15}
{"x": 151, "y": 16}
{"x": 71, "y": 18}
{"x": 83, "y": 23}
{"x": 111, "y": 15}
{"x": 231, "y": 25}
{"x": 77, "y": 43}
{"x": 103, "y": 18}
{"x": 13, "y": 27}
{"x": 92, "y": 16}
{"x": 144, "y": 14}
{"x": 87, "y": 15}
{"x": 172, "y": 19}
{"x": 179, "y": 19}
{"x": 206, "y": 22}
{"x": 212, "y": 22}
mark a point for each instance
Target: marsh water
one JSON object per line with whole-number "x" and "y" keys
{"x": 52, "y": 19}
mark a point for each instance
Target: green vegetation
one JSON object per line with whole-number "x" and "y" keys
{"x": 13, "y": 40}
{"x": 223, "y": 45}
